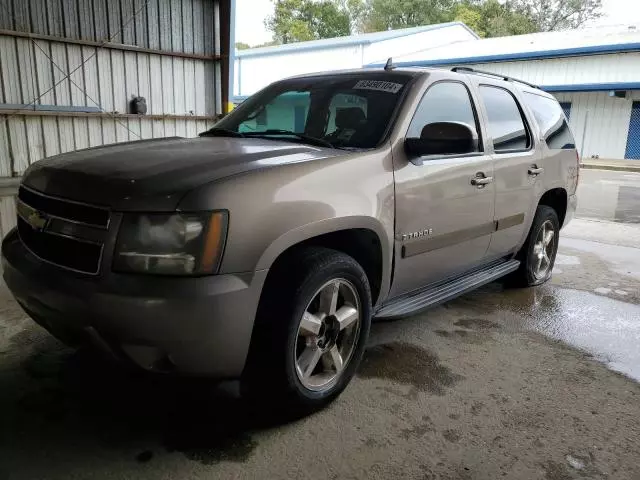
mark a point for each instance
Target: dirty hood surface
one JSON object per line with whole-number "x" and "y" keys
{"x": 155, "y": 174}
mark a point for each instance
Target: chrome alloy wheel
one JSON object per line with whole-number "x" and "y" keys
{"x": 543, "y": 250}
{"x": 327, "y": 334}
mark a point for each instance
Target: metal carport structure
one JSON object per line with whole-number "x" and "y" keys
{"x": 70, "y": 68}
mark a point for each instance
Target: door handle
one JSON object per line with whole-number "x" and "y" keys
{"x": 480, "y": 182}
{"x": 534, "y": 170}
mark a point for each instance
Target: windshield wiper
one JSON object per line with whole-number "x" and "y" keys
{"x": 221, "y": 132}
{"x": 307, "y": 138}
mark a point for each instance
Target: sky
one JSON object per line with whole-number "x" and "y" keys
{"x": 250, "y": 15}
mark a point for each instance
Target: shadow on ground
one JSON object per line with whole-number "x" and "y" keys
{"x": 65, "y": 403}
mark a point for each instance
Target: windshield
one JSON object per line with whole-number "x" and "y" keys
{"x": 340, "y": 111}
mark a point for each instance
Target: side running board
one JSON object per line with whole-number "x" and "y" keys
{"x": 447, "y": 290}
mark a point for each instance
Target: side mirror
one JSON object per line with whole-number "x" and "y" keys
{"x": 441, "y": 138}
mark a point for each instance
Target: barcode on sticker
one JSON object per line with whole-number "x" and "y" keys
{"x": 379, "y": 85}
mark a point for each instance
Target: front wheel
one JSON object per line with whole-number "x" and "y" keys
{"x": 538, "y": 254}
{"x": 312, "y": 326}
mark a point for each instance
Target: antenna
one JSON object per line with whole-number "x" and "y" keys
{"x": 389, "y": 65}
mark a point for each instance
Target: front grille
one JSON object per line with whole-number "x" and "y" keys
{"x": 63, "y": 251}
{"x": 67, "y": 209}
{"x": 67, "y": 234}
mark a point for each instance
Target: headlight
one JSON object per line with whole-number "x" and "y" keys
{"x": 174, "y": 244}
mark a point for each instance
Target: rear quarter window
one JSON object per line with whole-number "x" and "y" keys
{"x": 551, "y": 120}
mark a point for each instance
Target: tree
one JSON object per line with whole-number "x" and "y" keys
{"x": 242, "y": 45}
{"x": 490, "y": 18}
{"x": 300, "y": 20}
{"x": 550, "y": 15}
{"x": 394, "y": 14}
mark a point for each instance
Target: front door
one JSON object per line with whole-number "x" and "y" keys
{"x": 445, "y": 206}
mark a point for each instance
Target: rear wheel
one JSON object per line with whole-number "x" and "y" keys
{"x": 311, "y": 330}
{"x": 538, "y": 254}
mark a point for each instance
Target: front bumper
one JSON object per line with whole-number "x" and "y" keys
{"x": 197, "y": 326}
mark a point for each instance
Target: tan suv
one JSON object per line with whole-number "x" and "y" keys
{"x": 263, "y": 249}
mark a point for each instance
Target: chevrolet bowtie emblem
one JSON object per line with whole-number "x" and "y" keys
{"x": 37, "y": 220}
{"x": 33, "y": 217}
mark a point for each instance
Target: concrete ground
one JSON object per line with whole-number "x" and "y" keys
{"x": 500, "y": 383}
{"x": 610, "y": 164}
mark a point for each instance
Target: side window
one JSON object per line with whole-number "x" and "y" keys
{"x": 552, "y": 121}
{"x": 444, "y": 102}
{"x": 506, "y": 126}
{"x": 285, "y": 112}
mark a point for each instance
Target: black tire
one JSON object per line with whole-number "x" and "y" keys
{"x": 527, "y": 275}
{"x": 270, "y": 376}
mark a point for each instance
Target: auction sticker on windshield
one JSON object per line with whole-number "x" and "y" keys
{"x": 379, "y": 85}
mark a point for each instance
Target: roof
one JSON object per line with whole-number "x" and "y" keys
{"x": 362, "y": 39}
{"x": 568, "y": 43}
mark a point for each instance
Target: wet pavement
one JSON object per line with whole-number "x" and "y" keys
{"x": 500, "y": 383}
{"x": 609, "y": 195}
{"x": 607, "y": 328}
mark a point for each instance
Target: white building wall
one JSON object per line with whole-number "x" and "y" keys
{"x": 608, "y": 122}
{"x": 609, "y": 117}
{"x": 255, "y": 70}
{"x": 252, "y": 73}
{"x": 532, "y": 44}
{"x": 621, "y": 67}
{"x": 381, "y": 51}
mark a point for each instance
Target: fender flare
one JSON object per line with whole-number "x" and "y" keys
{"x": 321, "y": 227}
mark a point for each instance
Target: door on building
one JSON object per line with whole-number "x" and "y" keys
{"x": 444, "y": 207}
{"x": 566, "y": 108}
{"x": 633, "y": 138}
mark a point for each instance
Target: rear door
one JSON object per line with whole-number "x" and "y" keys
{"x": 517, "y": 164}
{"x": 444, "y": 215}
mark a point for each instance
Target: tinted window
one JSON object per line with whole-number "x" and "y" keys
{"x": 347, "y": 111}
{"x": 443, "y": 102}
{"x": 552, "y": 121}
{"x": 284, "y": 112}
{"x": 506, "y": 125}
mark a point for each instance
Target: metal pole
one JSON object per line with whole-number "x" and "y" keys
{"x": 584, "y": 134}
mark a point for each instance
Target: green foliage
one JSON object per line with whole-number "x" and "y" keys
{"x": 491, "y": 18}
{"x": 242, "y": 45}
{"x": 550, "y": 15}
{"x": 394, "y": 14}
{"x": 300, "y": 20}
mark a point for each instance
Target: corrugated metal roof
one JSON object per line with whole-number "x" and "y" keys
{"x": 586, "y": 41}
{"x": 363, "y": 39}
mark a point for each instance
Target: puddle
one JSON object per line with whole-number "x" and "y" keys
{"x": 408, "y": 364}
{"x": 418, "y": 430}
{"x": 606, "y": 328}
{"x": 213, "y": 445}
{"x": 476, "y": 324}
{"x": 627, "y": 205}
{"x": 620, "y": 259}
{"x": 463, "y": 336}
{"x": 609, "y": 196}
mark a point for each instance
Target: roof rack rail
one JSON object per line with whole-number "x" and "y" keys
{"x": 492, "y": 74}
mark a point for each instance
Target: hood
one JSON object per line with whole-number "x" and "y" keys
{"x": 154, "y": 174}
